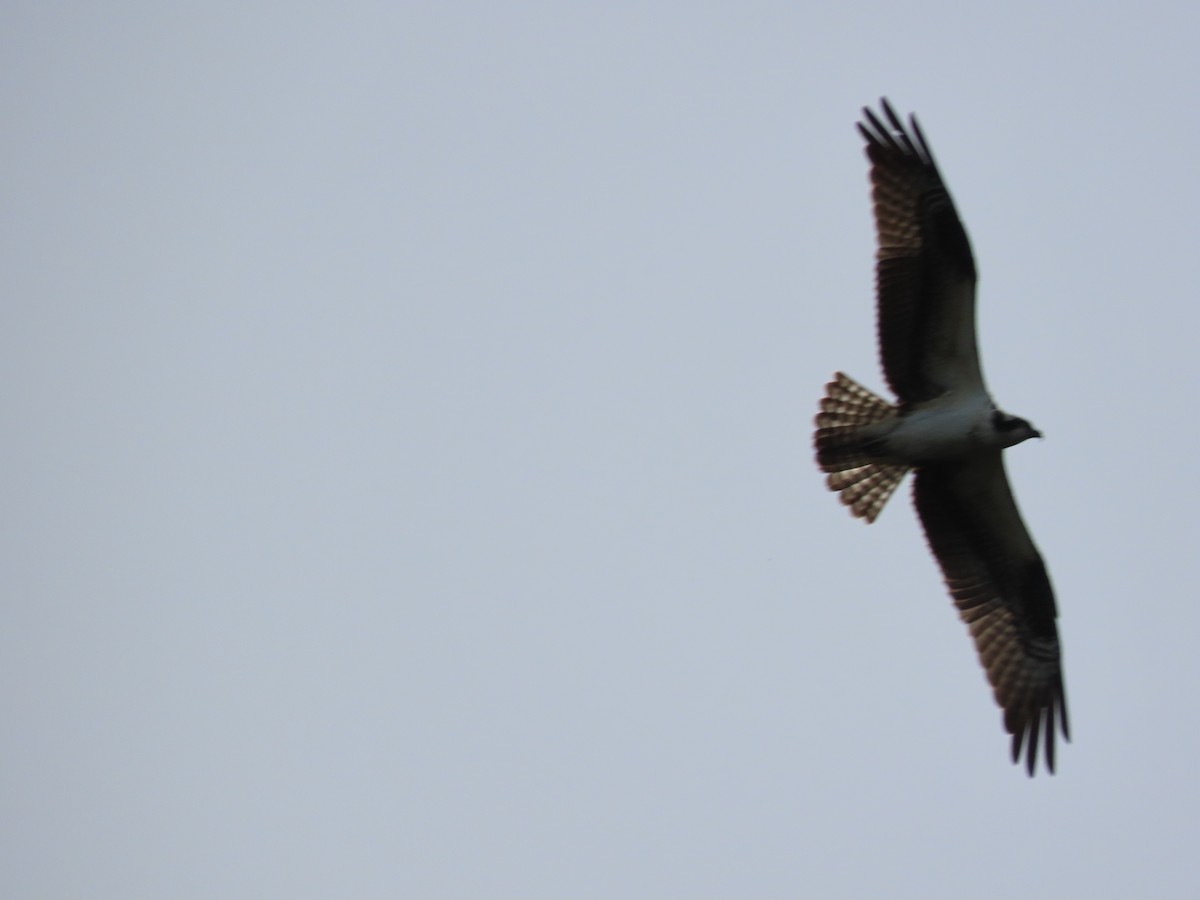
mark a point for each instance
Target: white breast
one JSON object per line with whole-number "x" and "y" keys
{"x": 949, "y": 428}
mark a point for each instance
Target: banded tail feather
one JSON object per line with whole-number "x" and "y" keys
{"x": 843, "y": 438}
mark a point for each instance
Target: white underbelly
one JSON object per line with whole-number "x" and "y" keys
{"x": 941, "y": 433}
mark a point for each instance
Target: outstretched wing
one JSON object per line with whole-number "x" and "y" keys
{"x": 999, "y": 584}
{"x": 925, "y": 274}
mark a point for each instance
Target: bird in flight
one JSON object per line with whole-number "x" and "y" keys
{"x": 945, "y": 428}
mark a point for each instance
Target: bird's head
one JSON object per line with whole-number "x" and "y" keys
{"x": 1011, "y": 430}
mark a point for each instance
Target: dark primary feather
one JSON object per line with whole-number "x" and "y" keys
{"x": 925, "y": 273}
{"x": 999, "y": 584}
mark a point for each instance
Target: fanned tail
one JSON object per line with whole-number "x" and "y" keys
{"x": 843, "y": 443}
{"x": 866, "y": 489}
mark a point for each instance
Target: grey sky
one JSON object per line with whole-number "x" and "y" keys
{"x": 408, "y": 484}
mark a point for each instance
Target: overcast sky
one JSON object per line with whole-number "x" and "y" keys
{"x": 408, "y": 488}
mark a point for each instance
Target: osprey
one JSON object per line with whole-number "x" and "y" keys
{"x": 948, "y": 431}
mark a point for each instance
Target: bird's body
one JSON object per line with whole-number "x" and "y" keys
{"x": 949, "y": 428}
{"x": 946, "y": 428}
